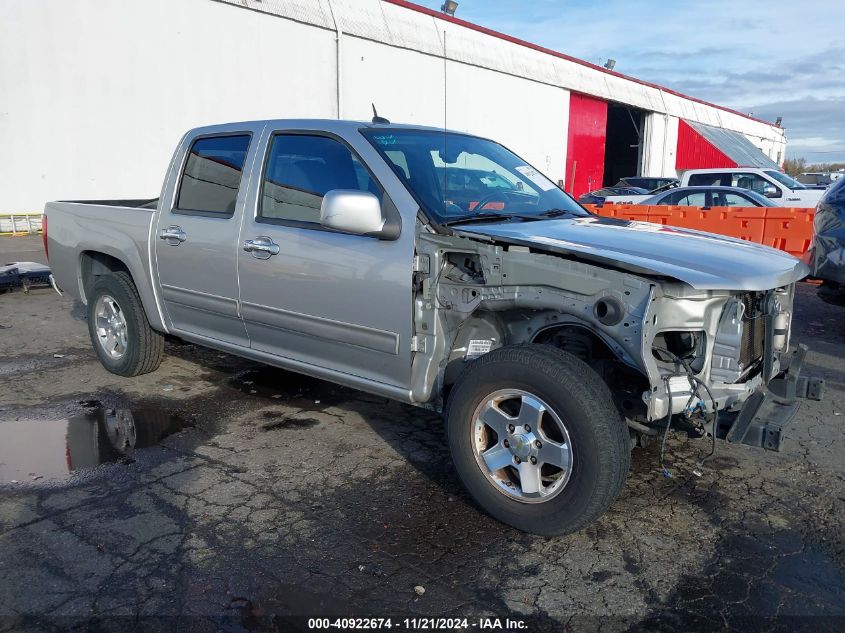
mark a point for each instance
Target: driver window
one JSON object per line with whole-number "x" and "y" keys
{"x": 300, "y": 170}
{"x": 754, "y": 182}
{"x": 735, "y": 200}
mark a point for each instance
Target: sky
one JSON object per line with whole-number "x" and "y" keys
{"x": 769, "y": 59}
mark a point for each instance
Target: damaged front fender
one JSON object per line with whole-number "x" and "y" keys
{"x": 472, "y": 296}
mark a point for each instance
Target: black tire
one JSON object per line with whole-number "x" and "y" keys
{"x": 144, "y": 346}
{"x": 600, "y": 443}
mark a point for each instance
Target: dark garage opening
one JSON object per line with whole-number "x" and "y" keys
{"x": 623, "y": 143}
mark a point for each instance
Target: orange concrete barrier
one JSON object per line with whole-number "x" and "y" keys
{"x": 788, "y": 229}
{"x": 636, "y": 212}
{"x": 744, "y": 223}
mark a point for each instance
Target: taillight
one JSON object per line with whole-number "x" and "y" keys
{"x": 44, "y": 234}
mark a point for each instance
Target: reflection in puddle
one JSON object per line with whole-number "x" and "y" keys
{"x": 35, "y": 450}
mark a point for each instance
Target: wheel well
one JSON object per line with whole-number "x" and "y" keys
{"x": 625, "y": 383}
{"x": 577, "y": 340}
{"x": 92, "y": 264}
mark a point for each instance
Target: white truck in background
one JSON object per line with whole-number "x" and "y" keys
{"x": 781, "y": 189}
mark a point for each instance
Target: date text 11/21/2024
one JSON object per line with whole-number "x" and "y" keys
{"x": 418, "y": 624}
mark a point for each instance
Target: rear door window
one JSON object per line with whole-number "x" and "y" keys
{"x": 709, "y": 180}
{"x": 212, "y": 174}
{"x": 695, "y": 199}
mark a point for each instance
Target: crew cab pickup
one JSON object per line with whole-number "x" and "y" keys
{"x": 780, "y": 188}
{"x": 442, "y": 270}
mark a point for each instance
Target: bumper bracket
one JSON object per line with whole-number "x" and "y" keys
{"x": 766, "y": 413}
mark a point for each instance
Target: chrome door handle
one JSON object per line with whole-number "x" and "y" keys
{"x": 173, "y": 235}
{"x": 261, "y": 247}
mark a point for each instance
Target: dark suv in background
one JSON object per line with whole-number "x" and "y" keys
{"x": 829, "y": 244}
{"x": 646, "y": 182}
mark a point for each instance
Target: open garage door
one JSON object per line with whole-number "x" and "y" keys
{"x": 604, "y": 143}
{"x": 623, "y": 145}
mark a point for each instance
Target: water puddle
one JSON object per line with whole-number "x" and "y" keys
{"x": 50, "y": 450}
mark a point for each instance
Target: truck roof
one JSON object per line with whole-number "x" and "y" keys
{"x": 714, "y": 170}
{"x": 327, "y": 125}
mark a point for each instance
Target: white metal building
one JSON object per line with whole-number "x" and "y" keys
{"x": 95, "y": 94}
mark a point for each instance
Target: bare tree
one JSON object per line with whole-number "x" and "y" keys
{"x": 794, "y": 166}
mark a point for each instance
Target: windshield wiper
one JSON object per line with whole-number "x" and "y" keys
{"x": 551, "y": 213}
{"x": 556, "y": 213}
{"x": 480, "y": 217}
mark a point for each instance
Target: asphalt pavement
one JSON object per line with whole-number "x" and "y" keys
{"x": 219, "y": 494}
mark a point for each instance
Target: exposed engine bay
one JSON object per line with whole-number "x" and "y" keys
{"x": 662, "y": 346}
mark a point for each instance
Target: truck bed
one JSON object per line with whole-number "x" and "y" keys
{"x": 115, "y": 228}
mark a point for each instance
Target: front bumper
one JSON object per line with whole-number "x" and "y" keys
{"x": 769, "y": 410}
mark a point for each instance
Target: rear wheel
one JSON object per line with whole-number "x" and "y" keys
{"x": 120, "y": 332}
{"x": 536, "y": 439}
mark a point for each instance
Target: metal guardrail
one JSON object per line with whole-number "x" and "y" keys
{"x": 20, "y": 223}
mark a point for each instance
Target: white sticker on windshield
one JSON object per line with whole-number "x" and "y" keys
{"x": 478, "y": 347}
{"x": 536, "y": 177}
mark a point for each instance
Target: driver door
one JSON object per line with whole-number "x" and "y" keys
{"x": 316, "y": 296}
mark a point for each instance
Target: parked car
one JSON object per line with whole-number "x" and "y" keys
{"x": 600, "y": 196}
{"x": 828, "y": 251}
{"x": 783, "y": 190}
{"x": 649, "y": 183}
{"x": 551, "y": 339}
{"x": 815, "y": 179}
{"x": 710, "y": 197}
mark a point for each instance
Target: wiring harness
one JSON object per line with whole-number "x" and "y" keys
{"x": 690, "y": 411}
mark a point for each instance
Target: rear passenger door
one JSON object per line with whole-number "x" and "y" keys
{"x": 196, "y": 239}
{"x": 315, "y": 296}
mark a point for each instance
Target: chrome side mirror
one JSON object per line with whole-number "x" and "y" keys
{"x": 351, "y": 211}
{"x": 770, "y": 191}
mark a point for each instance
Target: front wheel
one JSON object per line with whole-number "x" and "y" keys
{"x": 536, "y": 439}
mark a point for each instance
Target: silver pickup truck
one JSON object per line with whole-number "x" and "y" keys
{"x": 440, "y": 269}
